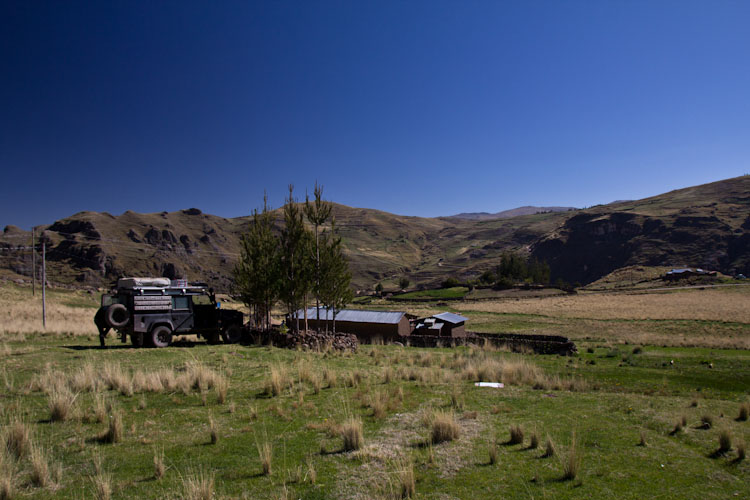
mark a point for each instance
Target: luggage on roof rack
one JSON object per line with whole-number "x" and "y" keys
{"x": 143, "y": 282}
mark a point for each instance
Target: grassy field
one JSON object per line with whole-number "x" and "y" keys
{"x": 619, "y": 420}
{"x": 455, "y": 292}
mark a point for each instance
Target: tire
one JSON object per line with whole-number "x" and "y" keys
{"x": 137, "y": 339}
{"x": 232, "y": 334}
{"x": 117, "y": 315}
{"x": 161, "y": 336}
{"x": 212, "y": 338}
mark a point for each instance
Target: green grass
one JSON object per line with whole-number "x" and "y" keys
{"x": 646, "y": 393}
{"x": 456, "y": 292}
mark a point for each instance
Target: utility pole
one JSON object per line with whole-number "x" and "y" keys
{"x": 33, "y": 264}
{"x": 44, "y": 281}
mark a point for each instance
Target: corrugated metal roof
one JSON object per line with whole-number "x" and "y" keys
{"x": 450, "y": 317}
{"x": 356, "y": 316}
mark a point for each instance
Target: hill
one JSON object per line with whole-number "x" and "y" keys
{"x": 706, "y": 226}
{"x": 506, "y": 214}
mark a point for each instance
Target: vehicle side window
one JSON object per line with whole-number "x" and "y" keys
{"x": 180, "y": 303}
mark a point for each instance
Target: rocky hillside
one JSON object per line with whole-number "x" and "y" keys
{"x": 706, "y": 226}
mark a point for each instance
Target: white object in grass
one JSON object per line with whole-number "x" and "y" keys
{"x": 496, "y": 385}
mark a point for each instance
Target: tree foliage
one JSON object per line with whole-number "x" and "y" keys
{"x": 318, "y": 212}
{"x": 335, "y": 282}
{"x": 515, "y": 267}
{"x": 296, "y": 261}
{"x": 256, "y": 275}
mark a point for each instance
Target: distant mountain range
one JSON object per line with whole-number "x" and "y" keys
{"x": 704, "y": 226}
{"x": 506, "y": 214}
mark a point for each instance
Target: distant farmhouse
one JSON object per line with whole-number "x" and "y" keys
{"x": 366, "y": 325}
{"x": 370, "y": 326}
{"x": 442, "y": 325}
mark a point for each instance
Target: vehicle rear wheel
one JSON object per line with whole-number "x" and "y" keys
{"x": 136, "y": 339}
{"x": 117, "y": 315}
{"x": 232, "y": 334}
{"x": 161, "y": 336}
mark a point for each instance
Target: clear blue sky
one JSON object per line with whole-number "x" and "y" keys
{"x": 420, "y": 108}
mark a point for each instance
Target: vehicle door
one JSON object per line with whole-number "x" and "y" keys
{"x": 182, "y": 313}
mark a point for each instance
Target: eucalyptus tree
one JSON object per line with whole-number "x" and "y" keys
{"x": 257, "y": 273}
{"x": 318, "y": 212}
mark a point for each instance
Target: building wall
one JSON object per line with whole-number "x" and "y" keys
{"x": 365, "y": 332}
{"x": 456, "y": 331}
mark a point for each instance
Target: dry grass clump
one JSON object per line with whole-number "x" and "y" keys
{"x": 493, "y": 451}
{"x": 198, "y": 486}
{"x": 379, "y": 404}
{"x": 18, "y": 439}
{"x": 61, "y": 403}
{"x": 744, "y": 412}
{"x": 213, "y": 431}
{"x": 330, "y": 378}
{"x": 571, "y": 461}
{"x": 278, "y": 380}
{"x": 114, "y": 431}
{"x": 549, "y": 448}
{"x": 642, "y": 441}
{"x": 725, "y": 442}
{"x": 265, "y": 453}
{"x": 406, "y": 479}
{"x": 159, "y": 467}
{"x": 443, "y": 427}
{"x": 102, "y": 481}
{"x": 40, "y": 470}
{"x": 534, "y": 442}
{"x": 457, "y": 398}
{"x": 222, "y": 386}
{"x": 740, "y": 450}
{"x": 707, "y": 421}
{"x": 516, "y": 434}
{"x": 86, "y": 379}
{"x": 352, "y": 434}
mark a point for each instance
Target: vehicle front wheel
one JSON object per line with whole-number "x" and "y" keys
{"x": 161, "y": 336}
{"x": 232, "y": 334}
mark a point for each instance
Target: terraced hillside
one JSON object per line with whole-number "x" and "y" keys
{"x": 706, "y": 226}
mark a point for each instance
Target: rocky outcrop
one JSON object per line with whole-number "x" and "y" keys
{"x": 310, "y": 340}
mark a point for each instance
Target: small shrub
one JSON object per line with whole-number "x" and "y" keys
{"x": 571, "y": 462}
{"x": 199, "y": 486}
{"x": 516, "y": 434}
{"x": 725, "y": 442}
{"x": 637, "y": 350}
{"x": 444, "y": 427}
{"x": 351, "y": 432}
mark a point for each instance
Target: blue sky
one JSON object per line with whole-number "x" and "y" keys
{"x": 419, "y": 108}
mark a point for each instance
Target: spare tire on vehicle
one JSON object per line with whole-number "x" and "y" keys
{"x": 117, "y": 315}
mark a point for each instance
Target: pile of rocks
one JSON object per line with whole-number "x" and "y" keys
{"x": 310, "y": 339}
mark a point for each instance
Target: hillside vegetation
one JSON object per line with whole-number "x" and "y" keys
{"x": 704, "y": 226}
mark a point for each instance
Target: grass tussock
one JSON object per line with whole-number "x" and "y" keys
{"x": 492, "y": 451}
{"x": 102, "y": 481}
{"x": 725, "y": 442}
{"x": 18, "y": 439}
{"x": 198, "y": 486}
{"x": 352, "y": 434}
{"x": 707, "y": 421}
{"x": 642, "y": 440}
{"x": 277, "y": 381}
{"x": 114, "y": 431}
{"x": 40, "y": 468}
{"x": 516, "y": 434}
{"x": 406, "y": 480}
{"x": 534, "y": 441}
{"x": 160, "y": 467}
{"x": 61, "y": 403}
{"x": 549, "y": 448}
{"x": 741, "y": 451}
{"x": 444, "y": 427}
{"x": 744, "y": 412}
{"x": 571, "y": 460}
{"x": 213, "y": 431}
{"x": 265, "y": 453}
